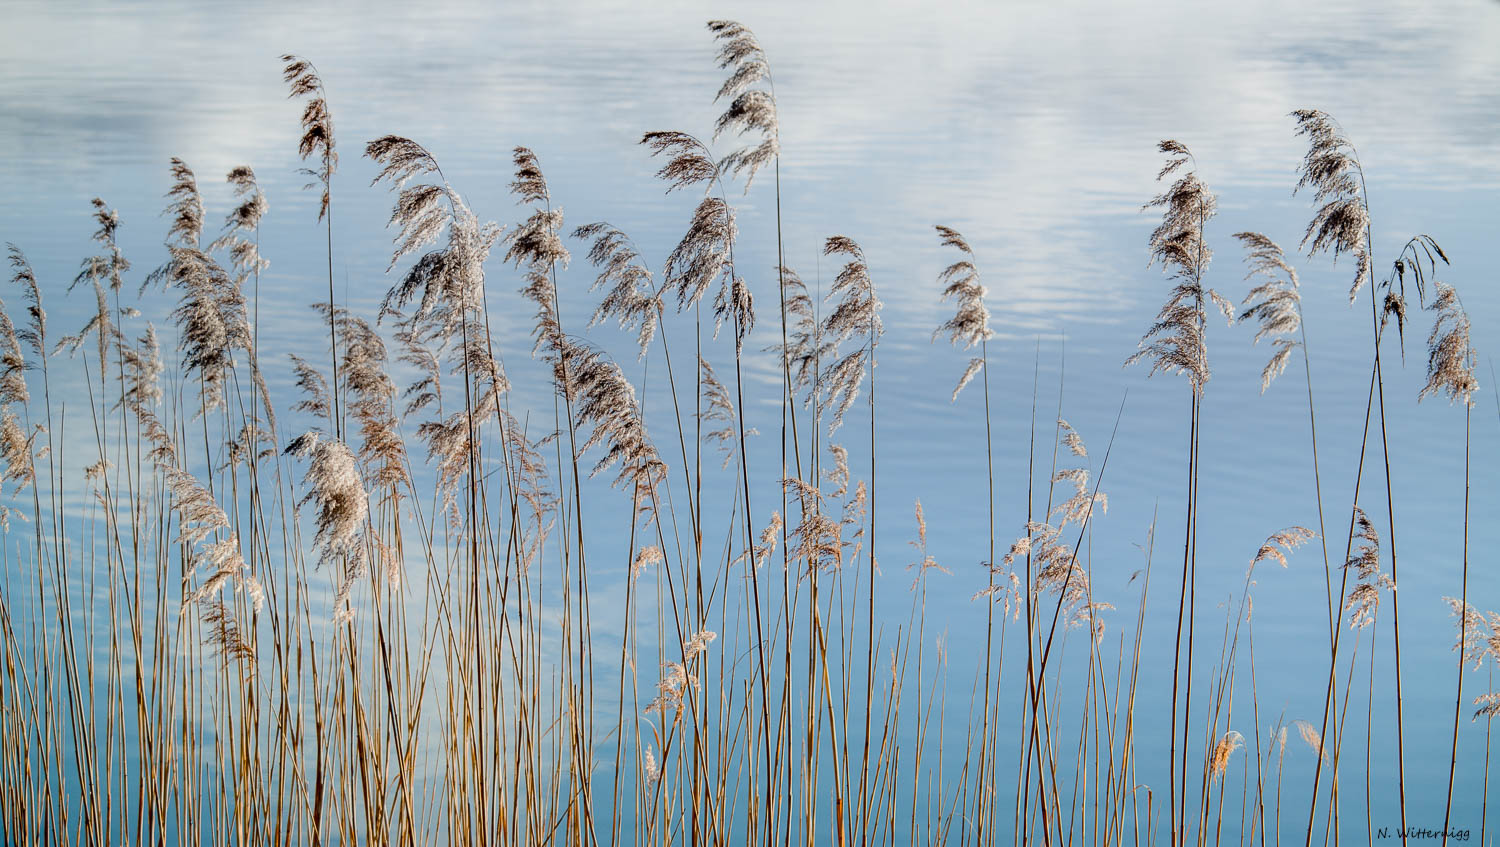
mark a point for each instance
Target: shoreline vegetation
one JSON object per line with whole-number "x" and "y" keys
{"x": 363, "y": 613}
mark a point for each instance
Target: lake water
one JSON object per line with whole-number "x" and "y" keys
{"x": 1030, "y": 127}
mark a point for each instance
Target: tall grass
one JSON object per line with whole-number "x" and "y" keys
{"x": 372, "y": 609}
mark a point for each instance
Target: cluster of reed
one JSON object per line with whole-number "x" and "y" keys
{"x": 180, "y": 661}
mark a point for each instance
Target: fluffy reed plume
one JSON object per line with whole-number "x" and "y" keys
{"x": 12, "y": 364}
{"x": 224, "y": 632}
{"x": 1364, "y": 598}
{"x": 838, "y": 475}
{"x": 631, "y": 297}
{"x": 970, "y": 324}
{"x": 818, "y": 539}
{"x": 607, "y": 404}
{"x": 15, "y": 452}
{"x": 1080, "y": 504}
{"x": 242, "y": 223}
{"x": 765, "y": 543}
{"x": 705, "y": 254}
{"x": 143, "y": 368}
{"x": 450, "y": 281}
{"x": 185, "y": 207}
{"x": 34, "y": 334}
{"x": 537, "y": 245}
{"x": 337, "y": 492}
{"x": 317, "y": 126}
{"x": 855, "y": 315}
{"x": 428, "y": 388}
{"x": 751, "y": 109}
{"x": 678, "y": 678}
{"x": 645, "y": 558}
{"x": 718, "y": 411}
{"x": 1312, "y": 738}
{"x": 210, "y": 314}
{"x": 804, "y": 348}
{"x": 1281, "y": 543}
{"x": 1331, "y": 168}
{"x": 96, "y": 272}
{"x": 112, "y": 264}
{"x": 15, "y": 448}
{"x": 532, "y": 486}
{"x": 1055, "y": 565}
{"x": 315, "y": 398}
{"x": 371, "y": 398}
{"x": 1229, "y": 742}
{"x": 1450, "y": 358}
{"x": 1475, "y": 635}
{"x": 199, "y": 516}
{"x": 1276, "y": 302}
{"x": 1176, "y": 343}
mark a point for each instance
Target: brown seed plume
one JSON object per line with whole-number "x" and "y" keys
{"x": 1450, "y": 358}
{"x": 1275, "y": 302}
{"x": 855, "y": 315}
{"x": 1331, "y": 169}
{"x": 317, "y": 125}
{"x": 1176, "y": 342}
{"x": 631, "y": 297}
{"x": 752, "y": 109}
{"x": 970, "y": 324}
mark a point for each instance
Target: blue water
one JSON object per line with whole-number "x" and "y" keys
{"x": 1030, "y": 127}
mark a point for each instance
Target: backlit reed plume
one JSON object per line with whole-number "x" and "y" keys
{"x": 317, "y": 140}
{"x": 1364, "y": 598}
{"x": 1280, "y": 543}
{"x": 447, "y": 283}
{"x": 34, "y": 334}
{"x": 1176, "y": 342}
{"x": 705, "y": 254}
{"x": 242, "y": 224}
{"x": 817, "y": 540}
{"x": 856, "y": 315}
{"x": 317, "y": 125}
{"x": 751, "y": 108}
{"x": 1331, "y": 169}
{"x": 143, "y": 369}
{"x": 15, "y": 448}
{"x": 1479, "y": 639}
{"x": 607, "y": 404}
{"x": 536, "y": 245}
{"x": 371, "y": 397}
{"x": 241, "y": 239}
{"x": 199, "y": 518}
{"x": 805, "y": 348}
{"x": 100, "y": 325}
{"x": 970, "y": 324}
{"x": 1476, "y": 636}
{"x": 1229, "y": 742}
{"x": 1054, "y": 563}
{"x": 1450, "y": 358}
{"x": 210, "y": 313}
{"x": 1275, "y": 302}
{"x": 224, "y": 632}
{"x": 112, "y": 264}
{"x": 338, "y": 495}
{"x": 630, "y": 296}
